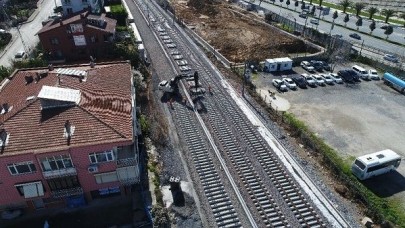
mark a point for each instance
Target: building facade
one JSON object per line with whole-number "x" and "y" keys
{"x": 78, "y": 37}
{"x": 73, "y": 6}
{"x": 67, "y": 136}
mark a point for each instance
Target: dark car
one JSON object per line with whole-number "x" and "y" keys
{"x": 303, "y": 15}
{"x": 346, "y": 76}
{"x": 384, "y": 27}
{"x": 355, "y": 36}
{"x": 355, "y": 76}
{"x": 317, "y": 65}
{"x": 325, "y": 65}
{"x": 300, "y": 81}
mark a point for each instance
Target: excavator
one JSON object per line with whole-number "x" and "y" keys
{"x": 172, "y": 86}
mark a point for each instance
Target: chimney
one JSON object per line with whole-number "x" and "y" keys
{"x": 68, "y": 131}
{"x": 50, "y": 67}
{"x": 92, "y": 64}
{"x": 28, "y": 79}
{"x": 81, "y": 15}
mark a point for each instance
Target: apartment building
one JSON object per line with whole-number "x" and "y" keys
{"x": 67, "y": 135}
{"x": 73, "y": 6}
{"x": 77, "y": 37}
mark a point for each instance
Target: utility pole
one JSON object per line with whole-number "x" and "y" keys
{"x": 22, "y": 40}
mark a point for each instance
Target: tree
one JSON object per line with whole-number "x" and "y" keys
{"x": 371, "y": 11}
{"x": 288, "y": 3}
{"x": 359, "y": 6}
{"x": 335, "y": 15}
{"x": 372, "y": 26}
{"x": 346, "y": 19}
{"x": 345, "y": 4}
{"x": 320, "y": 2}
{"x": 388, "y": 13}
{"x": 260, "y": 2}
{"x": 4, "y": 72}
{"x": 389, "y": 31}
{"x": 58, "y": 9}
{"x": 296, "y": 4}
{"x": 281, "y": 1}
{"x": 313, "y": 10}
{"x": 310, "y": 2}
{"x": 359, "y": 22}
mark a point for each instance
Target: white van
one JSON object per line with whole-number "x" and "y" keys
{"x": 361, "y": 72}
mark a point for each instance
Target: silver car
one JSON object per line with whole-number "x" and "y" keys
{"x": 336, "y": 78}
{"x": 318, "y": 79}
{"x": 328, "y": 79}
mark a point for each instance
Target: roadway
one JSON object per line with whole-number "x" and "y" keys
{"x": 28, "y": 32}
{"x": 325, "y": 25}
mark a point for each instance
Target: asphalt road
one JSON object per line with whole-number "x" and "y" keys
{"x": 28, "y": 32}
{"x": 325, "y": 26}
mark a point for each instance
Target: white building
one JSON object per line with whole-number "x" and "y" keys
{"x": 278, "y": 64}
{"x": 73, "y": 6}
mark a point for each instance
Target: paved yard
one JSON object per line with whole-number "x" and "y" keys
{"x": 355, "y": 120}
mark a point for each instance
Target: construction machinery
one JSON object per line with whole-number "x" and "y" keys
{"x": 172, "y": 85}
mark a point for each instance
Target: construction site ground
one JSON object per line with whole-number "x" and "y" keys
{"x": 235, "y": 32}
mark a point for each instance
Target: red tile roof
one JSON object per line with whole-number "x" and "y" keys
{"x": 81, "y": 17}
{"x": 103, "y": 114}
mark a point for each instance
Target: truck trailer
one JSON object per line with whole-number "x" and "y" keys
{"x": 394, "y": 82}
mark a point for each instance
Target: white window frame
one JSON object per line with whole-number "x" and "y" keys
{"x": 93, "y": 156}
{"x": 14, "y": 166}
{"x": 106, "y": 177}
{"x": 38, "y": 185}
{"x": 56, "y": 158}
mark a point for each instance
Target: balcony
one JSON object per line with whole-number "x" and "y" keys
{"x": 126, "y": 157}
{"x": 67, "y": 192}
{"x": 59, "y": 173}
{"x": 128, "y": 175}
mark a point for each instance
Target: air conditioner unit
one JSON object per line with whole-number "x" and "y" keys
{"x": 92, "y": 169}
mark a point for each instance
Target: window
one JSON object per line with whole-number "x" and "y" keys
{"x": 84, "y": 1}
{"x": 56, "y": 162}
{"x": 21, "y": 168}
{"x": 63, "y": 183}
{"x": 69, "y": 10}
{"x": 29, "y": 190}
{"x": 106, "y": 177}
{"x": 54, "y": 41}
{"x": 104, "y": 156}
{"x": 67, "y": 1}
{"x": 360, "y": 164}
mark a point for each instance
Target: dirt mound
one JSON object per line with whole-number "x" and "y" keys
{"x": 235, "y": 33}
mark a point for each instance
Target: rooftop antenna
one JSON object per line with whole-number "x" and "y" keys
{"x": 92, "y": 61}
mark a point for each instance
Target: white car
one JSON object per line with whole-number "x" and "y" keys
{"x": 309, "y": 79}
{"x": 336, "y": 78}
{"x": 19, "y": 56}
{"x": 307, "y": 66}
{"x": 289, "y": 83}
{"x": 171, "y": 45}
{"x": 175, "y": 52}
{"x": 328, "y": 79}
{"x": 169, "y": 41}
{"x": 184, "y": 68}
{"x": 373, "y": 74}
{"x": 163, "y": 84}
{"x": 279, "y": 85}
{"x": 318, "y": 79}
{"x": 165, "y": 37}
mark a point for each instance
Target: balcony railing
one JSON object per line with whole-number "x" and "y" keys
{"x": 67, "y": 192}
{"x": 59, "y": 173}
{"x": 126, "y": 162}
{"x": 129, "y": 181}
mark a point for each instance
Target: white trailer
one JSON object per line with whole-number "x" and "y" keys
{"x": 278, "y": 64}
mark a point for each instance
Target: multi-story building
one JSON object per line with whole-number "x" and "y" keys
{"x": 77, "y": 37}
{"x": 73, "y": 6}
{"x": 67, "y": 135}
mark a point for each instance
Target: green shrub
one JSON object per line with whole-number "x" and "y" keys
{"x": 118, "y": 13}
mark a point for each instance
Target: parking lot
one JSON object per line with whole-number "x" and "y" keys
{"x": 354, "y": 119}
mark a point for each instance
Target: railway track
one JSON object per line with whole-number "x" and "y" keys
{"x": 273, "y": 195}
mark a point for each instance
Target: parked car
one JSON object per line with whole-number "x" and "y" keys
{"x": 289, "y": 83}
{"x": 354, "y": 75}
{"x": 303, "y": 15}
{"x": 279, "y": 85}
{"x": 300, "y": 81}
{"x": 20, "y": 55}
{"x": 307, "y": 66}
{"x": 172, "y": 45}
{"x": 373, "y": 74}
{"x": 181, "y": 62}
{"x": 391, "y": 58}
{"x": 317, "y": 65}
{"x": 355, "y": 36}
{"x": 336, "y": 78}
{"x": 177, "y": 57}
{"x": 328, "y": 79}
{"x": 314, "y": 21}
{"x": 346, "y": 77}
{"x": 384, "y": 27}
{"x": 174, "y": 52}
{"x": 338, "y": 36}
{"x": 309, "y": 79}
{"x": 318, "y": 79}
{"x": 325, "y": 65}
